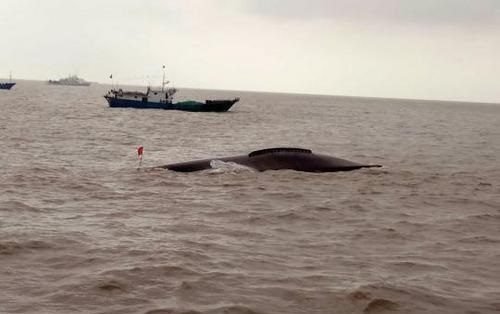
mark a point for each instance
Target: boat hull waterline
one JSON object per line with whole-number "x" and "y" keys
{"x": 280, "y": 158}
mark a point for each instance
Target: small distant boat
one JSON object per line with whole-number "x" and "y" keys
{"x": 71, "y": 80}
{"x": 7, "y": 85}
{"x": 162, "y": 98}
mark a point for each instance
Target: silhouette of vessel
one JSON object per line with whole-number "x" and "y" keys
{"x": 71, "y": 80}
{"x": 9, "y": 84}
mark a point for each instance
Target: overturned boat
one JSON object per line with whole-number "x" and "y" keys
{"x": 278, "y": 158}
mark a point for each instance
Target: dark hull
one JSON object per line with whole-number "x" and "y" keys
{"x": 6, "y": 85}
{"x": 207, "y": 106}
{"x": 277, "y": 159}
{"x": 127, "y": 103}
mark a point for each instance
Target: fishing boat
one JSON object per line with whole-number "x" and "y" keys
{"x": 71, "y": 80}
{"x": 9, "y": 84}
{"x": 163, "y": 98}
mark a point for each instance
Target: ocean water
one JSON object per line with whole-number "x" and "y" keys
{"x": 84, "y": 230}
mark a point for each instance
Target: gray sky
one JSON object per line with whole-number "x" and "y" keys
{"x": 431, "y": 49}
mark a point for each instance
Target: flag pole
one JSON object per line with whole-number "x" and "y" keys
{"x": 163, "y": 81}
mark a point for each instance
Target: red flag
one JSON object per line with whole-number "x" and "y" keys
{"x": 140, "y": 150}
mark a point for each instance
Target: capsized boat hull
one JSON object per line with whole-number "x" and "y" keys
{"x": 279, "y": 158}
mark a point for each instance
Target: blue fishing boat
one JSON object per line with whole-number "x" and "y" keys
{"x": 163, "y": 98}
{"x": 7, "y": 85}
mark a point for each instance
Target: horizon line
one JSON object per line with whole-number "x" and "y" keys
{"x": 302, "y": 93}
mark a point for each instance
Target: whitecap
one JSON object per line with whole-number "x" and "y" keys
{"x": 219, "y": 166}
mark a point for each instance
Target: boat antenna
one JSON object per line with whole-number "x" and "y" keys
{"x": 163, "y": 81}
{"x": 10, "y": 75}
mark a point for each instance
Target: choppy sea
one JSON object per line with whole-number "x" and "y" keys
{"x": 84, "y": 230}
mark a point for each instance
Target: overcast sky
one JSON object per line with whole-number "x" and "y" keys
{"x": 430, "y": 49}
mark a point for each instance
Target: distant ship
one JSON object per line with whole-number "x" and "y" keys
{"x": 7, "y": 85}
{"x": 71, "y": 80}
{"x": 162, "y": 98}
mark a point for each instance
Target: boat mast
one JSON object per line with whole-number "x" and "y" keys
{"x": 163, "y": 81}
{"x": 10, "y": 76}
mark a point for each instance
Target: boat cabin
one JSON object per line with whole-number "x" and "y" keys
{"x": 151, "y": 95}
